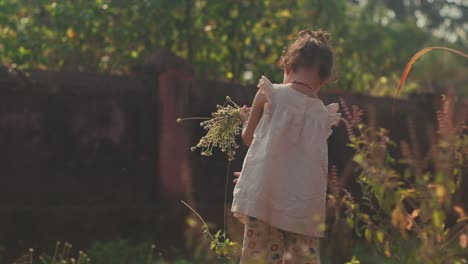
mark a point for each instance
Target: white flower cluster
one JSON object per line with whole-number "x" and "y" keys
{"x": 222, "y": 131}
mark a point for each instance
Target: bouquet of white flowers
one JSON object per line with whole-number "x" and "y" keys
{"x": 222, "y": 129}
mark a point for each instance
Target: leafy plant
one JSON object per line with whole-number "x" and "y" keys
{"x": 405, "y": 201}
{"x": 227, "y": 251}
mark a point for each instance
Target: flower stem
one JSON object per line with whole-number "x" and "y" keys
{"x": 199, "y": 217}
{"x": 192, "y": 118}
{"x": 232, "y": 102}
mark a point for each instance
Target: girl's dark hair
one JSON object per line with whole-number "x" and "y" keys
{"x": 310, "y": 49}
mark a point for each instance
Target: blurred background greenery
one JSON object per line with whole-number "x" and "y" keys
{"x": 239, "y": 40}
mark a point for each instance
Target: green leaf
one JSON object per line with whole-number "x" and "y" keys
{"x": 438, "y": 218}
{"x": 358, "y": 158}
{"x": 213, "y": 244}
{"x": 387, "y": 251}
{"x": 368, "y": 234}
{"x": 380, "y": 236}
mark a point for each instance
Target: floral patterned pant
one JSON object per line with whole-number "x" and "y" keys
{"x": 265, "y": 244}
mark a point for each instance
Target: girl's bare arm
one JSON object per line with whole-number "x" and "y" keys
{"x": 255, "y": 115}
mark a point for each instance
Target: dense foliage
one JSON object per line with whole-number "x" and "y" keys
{"x": 238, "y": 40}
{"x": 407, "y": 202}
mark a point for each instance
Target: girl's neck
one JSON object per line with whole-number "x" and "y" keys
{"x": 303, "y": 77}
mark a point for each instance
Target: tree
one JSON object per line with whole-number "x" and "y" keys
{"x": 228, "y": 40}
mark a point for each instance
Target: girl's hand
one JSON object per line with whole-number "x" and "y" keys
{"x": 236, "y": 174}
{"x": 244, "y": 113}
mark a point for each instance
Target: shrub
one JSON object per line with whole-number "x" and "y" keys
{"x": 405, "y": 201}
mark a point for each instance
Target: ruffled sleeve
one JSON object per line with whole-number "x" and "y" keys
{"x": 267, "y": 87}
{"x": 333, "y": 115}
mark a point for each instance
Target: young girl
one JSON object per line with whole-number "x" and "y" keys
{"x": 280, "y": 194}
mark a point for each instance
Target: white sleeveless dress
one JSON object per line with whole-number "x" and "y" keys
{"x": 284, "y": 176}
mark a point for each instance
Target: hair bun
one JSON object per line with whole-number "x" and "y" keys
{"x": 320, "y": 35}
{"x": 305, "y": 32}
